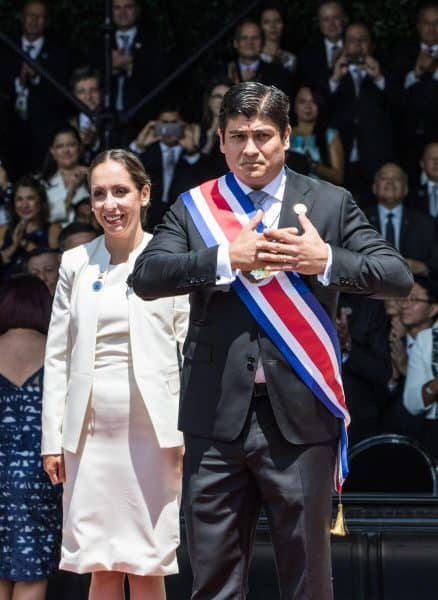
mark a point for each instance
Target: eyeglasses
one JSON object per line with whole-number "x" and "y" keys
{"x": 416, "y": 300}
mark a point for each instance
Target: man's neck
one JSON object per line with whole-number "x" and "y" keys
{"x": 248, "y": 61}
{"x": 335, "y": 40}
{"x": 32, "y": 39}
{"x": 414, "y": 330}
{"x": 390, "y": 204}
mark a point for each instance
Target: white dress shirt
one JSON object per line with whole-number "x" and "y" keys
{"x": 397, "y": 213}
{"x": 420, "y": 372}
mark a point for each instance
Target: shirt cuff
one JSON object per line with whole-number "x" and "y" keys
{"x": 410, "y": 79}
{"x": 192, "y": 158}
{"x": 324, "y": 278}
{"x": 134, "y": 147}
{"x": 224, "y": 273}
{"x": 380, "y": 83}
{"x": 333, "y": 85}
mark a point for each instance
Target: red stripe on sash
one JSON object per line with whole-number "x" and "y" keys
{"x": 305, "y": 335}
{"x": 221, "y": 210}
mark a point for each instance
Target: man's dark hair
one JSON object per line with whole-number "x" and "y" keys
{"x": 40, "y": 251}
{"x": 428, "y": 284}
{"x": 72, "y": 229}
{"x": 425, "y": 6}
{"x": 82, "y": 73}
{"x": 254, "y": 99}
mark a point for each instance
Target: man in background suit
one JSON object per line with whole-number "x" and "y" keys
{"x": 170, "y": 158}
{"x": 316, "y": 61}
{"x": 137, "y": 58}
{"x": 254, "y": 432}
{"x": 39, "y": 107}
{"x": 425, "y": 196}
{"x": 248, "y": 66}
{"x": 415, "y": 67}
{"x": 410, "y": 231}
{"x": 360, "y": 100}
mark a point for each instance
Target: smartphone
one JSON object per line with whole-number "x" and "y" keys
{"x": 169, "y": 129}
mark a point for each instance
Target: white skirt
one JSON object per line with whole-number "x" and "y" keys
{"x": 122, "y": 491}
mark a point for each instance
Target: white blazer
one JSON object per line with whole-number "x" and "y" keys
{"x": 56, "y": 193}
{"x": 155, "y": 328}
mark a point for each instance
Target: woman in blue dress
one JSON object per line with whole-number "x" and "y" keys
{"x": 30, "y": 509}
{"x": 310, "y": 137}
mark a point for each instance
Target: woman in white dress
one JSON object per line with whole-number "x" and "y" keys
{"x": 111, "y": 399}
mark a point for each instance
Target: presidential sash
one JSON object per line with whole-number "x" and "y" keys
{"x": 281, "y": 304}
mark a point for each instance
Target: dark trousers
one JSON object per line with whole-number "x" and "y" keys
{"x": 226, "y": 483}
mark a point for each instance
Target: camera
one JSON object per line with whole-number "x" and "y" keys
{"x": 169, "y": 129}
{"x": 356, "y": 59}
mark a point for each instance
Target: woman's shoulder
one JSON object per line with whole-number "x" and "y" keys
{"x": 81, "y": 254}
{"x": 330, "y": 134}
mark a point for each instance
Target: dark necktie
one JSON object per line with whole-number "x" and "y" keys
{"x": 258, "y": 198}
{"x": 390, "y": 231}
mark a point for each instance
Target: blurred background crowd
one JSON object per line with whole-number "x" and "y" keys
{"x": 364, "y": 117}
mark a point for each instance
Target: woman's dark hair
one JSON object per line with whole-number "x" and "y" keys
{"x": 207, "y": 116}
{"x": 25, "y": 303}
{"x": 37, "y": 186}
{"x": 130, "y": 161}
{"x": 320, "y": 128}
{"x": 49, "y": 166}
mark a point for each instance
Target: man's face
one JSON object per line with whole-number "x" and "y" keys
{"x": 417, "y": 312}
{"x": 357, "y": 40}
{"x": 427, "y": 26}
{"x": 125, "y": 14}
{"x": 254, "y": 149}
{"x": 390, "y": 185}
{"x": 45, "y": 267}
{"x": 429, "y": 163}
{"x": 88, "y": 92}
{"x": 34, "y": 20}
{"x": 249, "y": 43}
{"x": 331, "y": 19}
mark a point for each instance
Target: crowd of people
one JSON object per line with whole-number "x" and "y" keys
{"x": 362, "y": 119}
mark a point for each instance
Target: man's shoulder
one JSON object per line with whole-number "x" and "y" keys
{"x": 317, "y": 187}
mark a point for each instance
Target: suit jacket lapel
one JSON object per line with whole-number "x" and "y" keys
{"x": 296, "y": 192}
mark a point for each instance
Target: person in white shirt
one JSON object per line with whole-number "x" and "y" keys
{"x": 421, "y": 387}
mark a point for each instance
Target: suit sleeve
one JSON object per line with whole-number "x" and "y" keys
{"x": 56, "y": 365}
{"x": 169, "y": 266}
{"x": 363, "y": 262}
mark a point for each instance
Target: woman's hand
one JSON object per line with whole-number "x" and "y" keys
{"x": 53, "y": 465}
{"x": 17, "y": 234}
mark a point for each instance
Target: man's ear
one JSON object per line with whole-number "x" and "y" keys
{"x": 221, "y": 140}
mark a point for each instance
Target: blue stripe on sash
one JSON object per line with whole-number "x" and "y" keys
{"x": 198, "y": 220}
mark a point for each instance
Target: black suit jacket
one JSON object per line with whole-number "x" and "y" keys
{"x": 147, "y": 71}
{"x": 185, "y": 176}
{"x": 418, "y": 236}
{"x": 224, "y": 342}
{"x": 46, "y": 107}
{"x": 367, "y": 118}
{"x": 313, "y": 67}
{"x": 271, "y": 74}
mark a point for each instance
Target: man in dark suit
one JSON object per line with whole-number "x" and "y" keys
{"x": 415, "y": 67}
{"x": 410, "y": 231}
{"x": 255, "y": 433}
{"x": 248, "y": 66}
{"x": 316, "y": 61}
{"x": 137, "y": 60}
{"x": 171, "y": 159}
{"x": 363, "y": 329}
{"x": 39, "y": 107}
{"x": 361, "y": 96}
{"x": 425, "y": 196}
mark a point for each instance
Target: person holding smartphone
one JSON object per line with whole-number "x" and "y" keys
{"x": 169, "y": 152}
